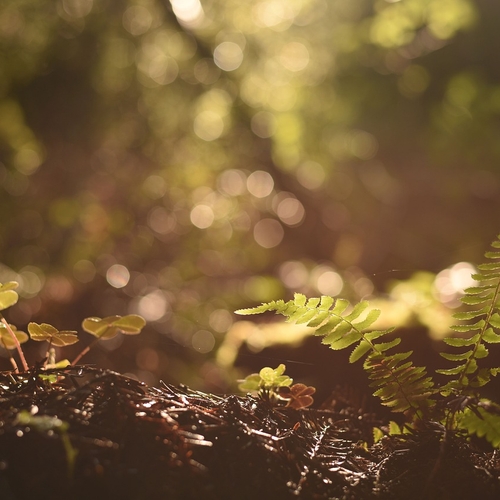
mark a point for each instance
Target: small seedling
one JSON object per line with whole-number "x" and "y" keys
{"x": 101, "y": 329}
{"x": 53, "y": 336}
{"x": 272, "y": 385}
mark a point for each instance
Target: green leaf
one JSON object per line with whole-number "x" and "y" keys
{"x": 7, "y": 298}
{"x": 492, "y": 266}
{"x": 299, "y": 299}
{"x": 109, "y": 327}
{"x": 131, "y": 324}
{"x": 452, "y": 371}
{"x": 495, "y": 320}
{"x": 359, "y": 351}
{"x": 468, "y": 315}
{"x": 461, "y": 342}
{"x": 482, "y": 423}
{"x": 477, "y": 290}
{"x": 467, "y": 328}
{"x": 343, "y": 342}
{"x": 371, "y": 317}
{"x": 51, "y": 334}
{"x": 375, "y": 334}
{"x": 491, "y": 337}
{"x": 492, "y": 255}
{"x": 6, "y": 338}
{"x": 456, "y": 357}
{"x": 330, "y": 325}
{"x": 340, "y": 306}
{"x": 250, "y": 383}
{"x": 319, "y": 318}
{"x": 472, "y": 300}
{"x": 340, "y": 330}
{"x": 357, "y": 311}
{"x": 273, "y": 377}
{"x": 326, "y": 302}
{"x": 313, "y": 304}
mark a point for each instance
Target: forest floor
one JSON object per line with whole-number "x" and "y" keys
{"x": 97, "y": 434}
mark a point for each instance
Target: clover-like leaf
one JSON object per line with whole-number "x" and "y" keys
{"x": 273, "y": 377}
{"x": 6, "y": 339}
{"x": 250, "y": 383}
{"x": 298, "y": 395}
{"x": 8, "y": 297}
{"x": 51, "y": 334}
{"x": 107, "y": 328}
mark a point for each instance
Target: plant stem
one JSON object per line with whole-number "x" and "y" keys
{"x": 17, "y": 344}
{"x": 85, "y": 351}
{"x": 11, "y": 359}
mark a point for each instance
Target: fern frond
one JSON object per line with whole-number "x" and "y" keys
{"x": 398, "y": 383}
{"x": 484, "y": 421}
{"x": 479, "y": 325}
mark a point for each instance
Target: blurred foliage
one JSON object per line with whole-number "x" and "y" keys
{"x": 180, "y": 160}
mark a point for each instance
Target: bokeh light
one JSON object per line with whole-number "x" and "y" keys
{"x": 450, "y": 283}
{"x": 118, "y": 276}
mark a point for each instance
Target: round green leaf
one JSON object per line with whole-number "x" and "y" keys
{"x": 10, "y": 285}
{"x": 6, "y": 338}
{"x": 101, "y": 328}
{"x": 131, "y": 324}
{"x": 7, "y": 298}
{"x": 41, "y": 332}
{"x": 51, "y": 334}
{"x": 62, "y": 339}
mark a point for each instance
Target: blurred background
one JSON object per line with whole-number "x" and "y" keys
{"x": 182, "y": 159}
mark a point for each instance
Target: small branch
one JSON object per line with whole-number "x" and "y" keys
{"x": 17, "y": 344}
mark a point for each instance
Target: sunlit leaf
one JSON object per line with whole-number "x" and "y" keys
{"x": 51, "y": 334}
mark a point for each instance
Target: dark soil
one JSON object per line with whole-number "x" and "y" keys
{"x": 136, "y": 442}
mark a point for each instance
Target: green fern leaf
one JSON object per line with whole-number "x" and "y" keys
{"x": 468, "y": 328}
{"x": 357, "y": 311}
{"x": 494, "y": 320}
{"x": 468, "y": 315}
{"x": 456, "y": 357}
{"x": 491, "y": 337}
{"x": 491, "y": 266}
{"x": 478, "y": 290}
{"x": 492, "y": 255}
{"x": 451, "y": 371}
{"x": 326, "y": 303}
{"x": 330, "y": 325}
{"x": 371, "y": 317}
{"x": 359, "y": 351}
{"x": 319, "y": 318}
{"x": 472, "y": 300}
{"x": 375, "y": 334}
{"x": 344, "y": 341}
{"x": 483, "y": 423}
{"x": 461, "y": 342}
